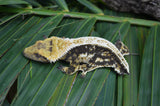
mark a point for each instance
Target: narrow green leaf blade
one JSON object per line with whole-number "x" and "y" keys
{"x": 9, "y": 28}
{"x": 11, "y": 37}
{"x": 9, "y": 17}
{"x": 149, "y": 78}
{"x": 107, "y": 94}
{"x": 9, "y": 2}
{"x": 91, "y": 6}
{"x": 145, "y": 87}
{"x": 62, "y": 4}
{"x": 155, "y": 97}
{"x": 130, "y": 82}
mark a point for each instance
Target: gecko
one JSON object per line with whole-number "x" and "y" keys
{"x": 84, "y": 54}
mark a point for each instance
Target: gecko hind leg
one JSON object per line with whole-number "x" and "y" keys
{"x": 83, "y": 67}
{"x": 68, "y": 70}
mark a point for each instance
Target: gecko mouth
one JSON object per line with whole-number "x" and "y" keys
{"x": 34, "y": 56}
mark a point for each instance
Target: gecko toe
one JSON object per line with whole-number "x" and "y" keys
{"x": 83, "y": 75}
{"x": 60, "y": 67}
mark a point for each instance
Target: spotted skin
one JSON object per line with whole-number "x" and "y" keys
{"x": 84, "y": 54}
{"x": 86, "y": 58}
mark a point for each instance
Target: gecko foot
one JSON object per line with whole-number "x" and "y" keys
{"x": 61, "y": 68}
{"x": 68, "y": 70}
{"x": 83, "y": 74}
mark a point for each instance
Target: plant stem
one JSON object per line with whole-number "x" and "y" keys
{"x": 133, "y": 21}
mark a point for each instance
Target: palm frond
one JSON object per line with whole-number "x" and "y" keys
{"x": 25, "y": 22}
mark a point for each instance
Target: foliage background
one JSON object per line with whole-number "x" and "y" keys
{"x": 26, "y": 82}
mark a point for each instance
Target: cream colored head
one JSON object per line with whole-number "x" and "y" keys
{"x": 39, "y": 51}
{"x": 48, "y": 50}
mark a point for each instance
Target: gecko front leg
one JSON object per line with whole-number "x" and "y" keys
{"x": 74, "y": 68}
{"x": 69, "y": 70}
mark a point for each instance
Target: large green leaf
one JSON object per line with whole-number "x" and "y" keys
{"x": 45, "y": 84}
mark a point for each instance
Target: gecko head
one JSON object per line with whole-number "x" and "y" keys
{"x": 39, "y": 51}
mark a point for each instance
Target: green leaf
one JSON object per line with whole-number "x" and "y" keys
{"x": 107, "y": 94}
{"x": 62, "y": 4}
{"x": 107, "y": 18}
{"x": 91, "y": 6}
{"x": 45, "y": 84}
{"x": 14, "y": 33}
{"x": 10, "y": 70}
{"x": 9, "y": 2}
{"x": 130, "y": 82}
{"x": 9, "y": 17}
{"x": 149, "y": 77}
